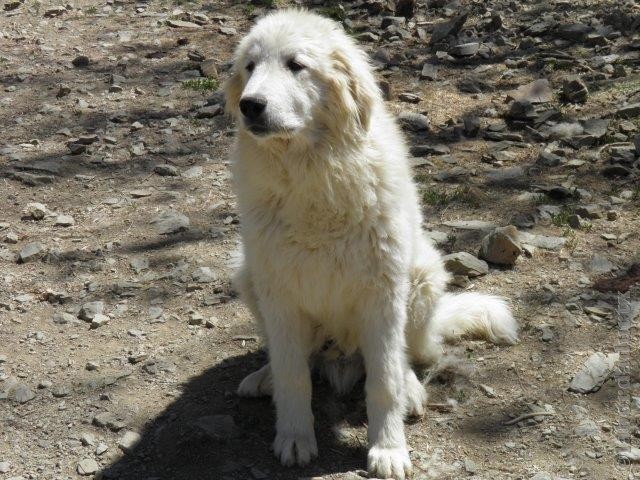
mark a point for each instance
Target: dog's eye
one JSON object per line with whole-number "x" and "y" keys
{"x": 250, "y": 66}
{"x": 294, "y": 66}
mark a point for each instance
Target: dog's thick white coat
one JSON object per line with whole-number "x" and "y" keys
{"x": 332, "y": 240}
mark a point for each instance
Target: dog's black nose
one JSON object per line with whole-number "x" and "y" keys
{"x": 252, "y": 107}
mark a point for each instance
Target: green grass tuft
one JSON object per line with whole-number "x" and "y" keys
{"x": 562, "y": 219}
{"x": 439, "y": 197}
{"x": 201, "y": 84}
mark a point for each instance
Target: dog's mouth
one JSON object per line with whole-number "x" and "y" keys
{"x": 261, "y": 130}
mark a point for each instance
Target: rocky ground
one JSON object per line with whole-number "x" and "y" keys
{"x": 121, "y": 341}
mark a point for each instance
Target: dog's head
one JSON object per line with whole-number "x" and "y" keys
{"x": 297, "y": 74}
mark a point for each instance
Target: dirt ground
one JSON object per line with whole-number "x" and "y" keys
{"x": 144, "y": 389}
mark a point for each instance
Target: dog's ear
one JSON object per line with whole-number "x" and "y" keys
{"x": 353, "y": 89}
{"x": 232, "y": 92}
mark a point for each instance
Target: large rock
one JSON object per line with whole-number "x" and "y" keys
{"x": 537, "y": 91}
{"x": 463, "y": 263}
{"x": 171, "y": 222}
{"x": 501, "y": 246}
{"x": 595, "y": 371}
{"x": 451, "y": 27}
{"x": 31, "y": 251}
{"x": 429, "y": 71}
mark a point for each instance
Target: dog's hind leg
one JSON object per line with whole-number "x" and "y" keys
{"x": 434, "y": 315}
{"x": 415, "y": 394}
{"x": 428, "y": 280}
{"x": 257, "y": 384}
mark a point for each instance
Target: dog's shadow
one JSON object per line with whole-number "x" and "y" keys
{"x": 193, "y": 438}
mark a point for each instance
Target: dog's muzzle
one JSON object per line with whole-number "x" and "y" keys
{"x": 253, "y": 112}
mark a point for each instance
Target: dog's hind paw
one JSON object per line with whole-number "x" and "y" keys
{"x": 257, "y": 384}
{"x": 416, "y": 395}
{"x": 294, "y": 449}
{"x": 389, "y": 463}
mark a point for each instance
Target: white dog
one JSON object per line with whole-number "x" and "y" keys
{"x": 332, "y": 240}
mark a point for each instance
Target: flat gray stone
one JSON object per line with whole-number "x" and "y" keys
{"x": 98, "y": 321}
{"x": 465, "y": 49}
{"x": 193, "y": 172}
{"x": 171, "y": 222}
{"x": 600, "y": 264}
{"x": 218, "y": 427}
{"x": 63, "y": 318}
{"x": 30, "y": 252}
{"x": 139, "y": 264}
{"x": 166, "y": 170}
{"x": 439, "y": 238}
{"x": 435, "y": 149}
{"x": 182, "y": 24}
{"x": 87, "y": 466}
{"x": 470, "y": 224}
{"x": 204, "y": 275}
{"x": 595, "y": 371}
{"x": 542, "y": 241}
{"x": 463, "y": 263}
{"x": 537, "y": 91}
{"x": 65, "y": 221}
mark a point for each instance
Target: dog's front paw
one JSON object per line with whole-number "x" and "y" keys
{"x": 257, "y": 384}
{"x": 295, "y": 448}
{"x": 389, "y": 463}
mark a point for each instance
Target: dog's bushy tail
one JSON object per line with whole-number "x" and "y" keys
{"x": 474, "y": 314}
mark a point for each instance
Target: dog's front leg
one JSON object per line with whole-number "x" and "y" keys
{"x": 383, "y": 348}
{"x": 289, "y": 349}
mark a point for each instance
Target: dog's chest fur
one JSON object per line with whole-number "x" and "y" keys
{"x": 320, "y": 214}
